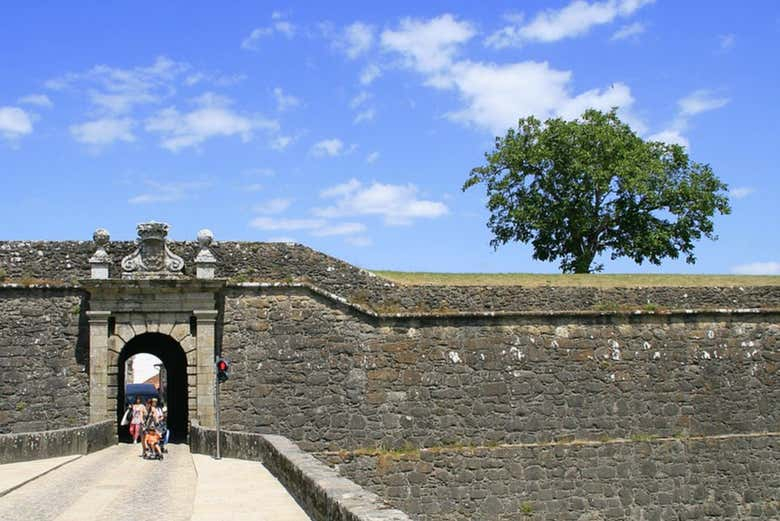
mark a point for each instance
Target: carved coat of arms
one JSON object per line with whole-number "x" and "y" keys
{"x": 152, "y": 258}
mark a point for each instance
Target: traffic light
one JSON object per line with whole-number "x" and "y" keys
{"x": 223, "y": 369}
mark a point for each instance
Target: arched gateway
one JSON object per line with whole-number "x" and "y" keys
{"x": 176, "y": 390}
{"x": 153, "y": 308}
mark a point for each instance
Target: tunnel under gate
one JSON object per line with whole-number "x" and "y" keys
{"x": 172, "y": 356}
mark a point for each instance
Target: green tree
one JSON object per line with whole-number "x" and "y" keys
{"x": 575, "y": 189}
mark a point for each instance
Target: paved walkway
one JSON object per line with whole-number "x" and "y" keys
{"x": 117, "y": 484}
{"x": 14, "y": 475}
{"x": 250, "y": 491}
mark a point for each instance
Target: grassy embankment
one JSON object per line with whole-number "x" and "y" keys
{"x": 589, "y": 280}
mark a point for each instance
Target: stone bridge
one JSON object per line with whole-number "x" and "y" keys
{"x": 449, "y": 403}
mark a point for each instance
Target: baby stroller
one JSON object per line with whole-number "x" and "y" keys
{"x": 152, "y": 449}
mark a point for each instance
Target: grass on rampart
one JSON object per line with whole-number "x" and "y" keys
{"x": 589, "y": 280}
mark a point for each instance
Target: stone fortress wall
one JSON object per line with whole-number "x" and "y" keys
{"x": 44, "y": 382}
{"x": 456, "y": 402}
{"x": 715, "y": 478}
{"x": 334, "y": 379}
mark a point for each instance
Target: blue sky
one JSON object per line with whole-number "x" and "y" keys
{"x": 351, "y": 127}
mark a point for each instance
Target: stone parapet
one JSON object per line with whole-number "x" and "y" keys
{"x": 52, "y": 444}
{"x": 321, "y": 492}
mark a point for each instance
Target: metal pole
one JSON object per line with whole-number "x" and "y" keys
{"x": 216, "y": 406}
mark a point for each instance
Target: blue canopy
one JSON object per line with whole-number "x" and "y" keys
{"x": 144, "y": 391}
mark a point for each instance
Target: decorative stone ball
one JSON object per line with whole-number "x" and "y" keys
{"x": 205, "y": 238}
{"x": 101, "y": 237}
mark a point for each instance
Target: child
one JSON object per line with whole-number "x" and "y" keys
{"x": 152, "y": 442}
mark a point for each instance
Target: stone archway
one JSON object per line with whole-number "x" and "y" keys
{"x": 122, "y": 310}
{"x": 152, "y": 297}
{"x": 173, "y": 357}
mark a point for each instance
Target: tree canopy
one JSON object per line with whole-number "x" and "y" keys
{"x": 576, "y": 189}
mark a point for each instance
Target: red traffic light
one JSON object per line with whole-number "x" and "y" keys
{"x": 223, "y": 369}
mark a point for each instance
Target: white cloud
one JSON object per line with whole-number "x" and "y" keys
{"x": 741, "y": 192}
{"x": 273, "y": 206}
{"x": 117, "y": 91}
{"x": 357, "y": 39}
{"x": 328, "y": 147}
{"x": 372, "y": 157}
{"x": 701, "y": 101}
{"x": 757, "y": 268}
{"x": 212, "y": 118}
{"x": 221, "y": 80}
{"x": 14, "y": 122}
{"x": 273, "y": 224}
{"x": 103, "y": 131}
{"x": 617, "y": 95}
{"x": 727, "y": 41}
{"x": 369, "y": 73}
{"x": 252, "y": 41}
{"x": 628, "y": 31}
{"x": 314, "y": 227}
{"x": 552, "y": 25}
{"x": 367, "y": 113}
{"x": 670, "y": 136}
{"x": 168, "y": 192}
{"x": 281, "y": 142}
{"x": 494, "y": 96}
{"x": 428, "y": 46}
{"x": 285, "y": 27}
{"x": 343, "y": 189}
{"x": 364, "y": 115}
{"x": 695, "y": 103}
{"x": 339, "y": 229}
{"x": 39, "y": 100}
{"x": 397, "y": 204}
{"x": 278, "y": 25}
{"x": 360, "y": 241}
{"x": 361, "y": 98}
{"x": 285, "y": 101}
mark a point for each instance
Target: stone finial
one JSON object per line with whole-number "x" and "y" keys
{"x": 205, "y": 238}
{"x": 101, "y": 260}
{"x": 152, "y": 258}
{"x": 205, "y": 262}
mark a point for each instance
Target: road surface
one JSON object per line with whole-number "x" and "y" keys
{"x": 117, "y": 484}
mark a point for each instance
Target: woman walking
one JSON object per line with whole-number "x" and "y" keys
{"x": 154, "y": 416}
{"x": 138, "y": 415}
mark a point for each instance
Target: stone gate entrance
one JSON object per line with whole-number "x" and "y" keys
{"x": 174, "y": 388}
{"x": 152, "y": 299}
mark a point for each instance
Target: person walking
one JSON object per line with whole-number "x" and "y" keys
{"x": 162, "y": 426}
{"x": 154, "y": 418}
{"x": 138, "y": 417}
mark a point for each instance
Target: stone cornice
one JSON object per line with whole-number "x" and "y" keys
{"x": 113, "y": 286}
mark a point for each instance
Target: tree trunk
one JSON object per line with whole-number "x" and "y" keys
{"x": 583, "y": 262}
